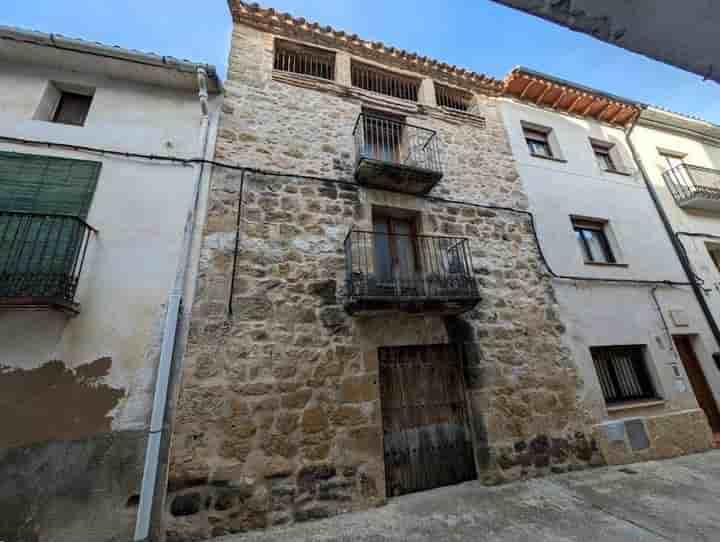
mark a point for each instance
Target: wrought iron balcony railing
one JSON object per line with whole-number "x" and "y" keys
{"x": 694, "y": 187}
{"x": 394, "y": 155}
{"x": 408, "y": 272}
{"x": 41, "y": 258}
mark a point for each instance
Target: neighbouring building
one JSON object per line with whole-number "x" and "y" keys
{"x": 372, "y": 317}
{"x": 631, "y": 331}
{"x": 91, "y": 240}
{"x": 681, "y": 156}
{"x": 678, "y": 33}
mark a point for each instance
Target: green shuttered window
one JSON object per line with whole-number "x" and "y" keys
{"x": 45, "y": 184}
{"x": 43, "y": 203}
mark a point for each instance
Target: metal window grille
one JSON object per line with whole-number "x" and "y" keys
{"x": 452, "y": 98}
{"x": 384, "y": 82}
{"x": 296, "y": 58}
{"x": 41, "y": 255}
{"x": 623, "y": 373}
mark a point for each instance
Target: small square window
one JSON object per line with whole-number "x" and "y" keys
{"x": 623, "y": 373}
{"x": 538, "y": 143}
{"x": 72, "y": 108}
{"x": 604, "y": 157}
{"x": 593, "y": 240}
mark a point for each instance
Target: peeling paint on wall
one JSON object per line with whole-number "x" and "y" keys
{"x": 55, "y": 402}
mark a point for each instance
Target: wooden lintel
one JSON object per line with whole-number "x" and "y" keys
{"x": 527, "y": 87}
{"x": 557, "y": 102}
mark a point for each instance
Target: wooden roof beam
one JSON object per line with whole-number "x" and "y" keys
{"x": 610, "y": 112}
{"x": 603, "y": 110}
{"x": 588, "y": 108}
{"x": 559, "y": 100}
{"x": 527, "y": 87}
{"x": 543, "y": 94}
{"x": 617, "y": 115}
{"x": 574, "y": 103}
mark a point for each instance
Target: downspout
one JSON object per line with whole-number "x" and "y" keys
{"x": 679, "y": 249}
{"x": 172, "y": 316}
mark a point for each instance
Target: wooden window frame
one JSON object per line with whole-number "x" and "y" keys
{"x": 605, "y": 361}
{"x": 534, "y": 136}
{"x": 603, "y": 152}
{"x": 65, "y": 97}
{"x": 581, "y": 226}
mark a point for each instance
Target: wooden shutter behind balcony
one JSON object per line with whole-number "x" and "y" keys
{"x": 45, "y": 184}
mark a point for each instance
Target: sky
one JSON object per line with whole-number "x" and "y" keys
{"x": 475, "y": 34}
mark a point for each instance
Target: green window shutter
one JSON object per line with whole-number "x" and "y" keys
{"x": 45, "y": 184}
{"x": 38, "y": 253}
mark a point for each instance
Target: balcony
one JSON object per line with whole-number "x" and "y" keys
{"x": 694, "y": 187}
{"x": 41, "y": 258}
{"x": 393, "y": 155}
{"x": 408, "y": 273}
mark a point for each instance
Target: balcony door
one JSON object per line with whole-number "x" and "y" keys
{"x": 678, "y": 175}
{"x": 383, "y": 136}
{"x": 397, "y": 266}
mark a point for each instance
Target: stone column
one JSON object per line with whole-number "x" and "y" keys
{"x": 342, "y": 69}
{"x": 426, "y": 96}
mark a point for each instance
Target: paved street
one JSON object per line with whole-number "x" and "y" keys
{"x": 677, "y": 500}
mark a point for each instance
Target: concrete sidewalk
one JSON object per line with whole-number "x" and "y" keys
{"x": 676, "y": 500}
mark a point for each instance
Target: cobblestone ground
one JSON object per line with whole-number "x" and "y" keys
{"x": 657, "y": 501}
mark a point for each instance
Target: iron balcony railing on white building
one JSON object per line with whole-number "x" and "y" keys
{"x": 694, "y": 187}
{"x": 41, "y": 258}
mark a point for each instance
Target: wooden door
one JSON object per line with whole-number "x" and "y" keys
{"x": 396, "y": 261}
{"x": 426, "y": 437}
{"x": 699, "y": 383}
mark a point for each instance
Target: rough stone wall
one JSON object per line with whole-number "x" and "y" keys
{"x": 279, "y": 419}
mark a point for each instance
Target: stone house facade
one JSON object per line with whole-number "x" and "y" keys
{"x": 319, "y": 332}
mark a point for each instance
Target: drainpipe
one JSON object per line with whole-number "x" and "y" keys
{"x": 679, "y": 250}
{"x": 172, "y": 317}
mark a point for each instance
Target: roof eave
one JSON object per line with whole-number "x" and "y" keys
{"x": 79, "y": 46}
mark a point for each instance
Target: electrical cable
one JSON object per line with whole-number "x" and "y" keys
{"x": 354, "y": 185}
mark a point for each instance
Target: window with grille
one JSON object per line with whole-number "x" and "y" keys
{"x": 384, "y": 82}
{"x": 452, "y": 98}
{"x": 296, "y": 58}
{"x": 623, "y": 374}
